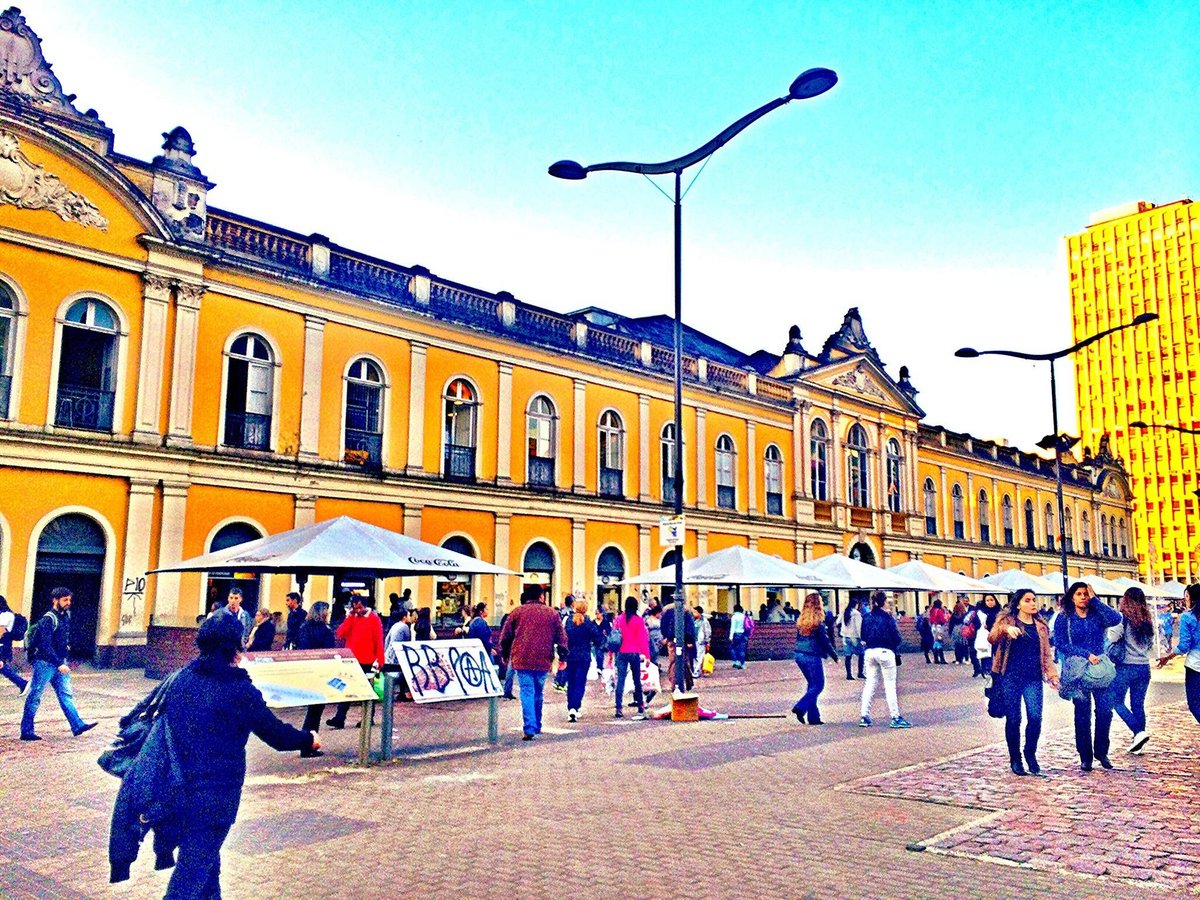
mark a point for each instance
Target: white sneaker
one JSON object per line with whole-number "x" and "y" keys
{"x": 1139, "y": 741}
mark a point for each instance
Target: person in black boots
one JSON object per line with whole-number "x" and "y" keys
{"x": 1022, "y": 661}
{"x": 1079, "y": 632}
{"x": 315, "y": 634}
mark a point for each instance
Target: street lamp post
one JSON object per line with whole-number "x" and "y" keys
{"x": 1060, "y": 443}
{"x": 810, "y": 83}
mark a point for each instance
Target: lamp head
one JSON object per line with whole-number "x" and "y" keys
{"x": 966, "y": 353}
{"x": 1144, "y": 318}
{"x": 1138, "y": 424}
{"x": 811, "y": 83}
{"x": 568, "y": 169}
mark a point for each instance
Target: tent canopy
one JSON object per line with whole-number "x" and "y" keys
{"x": 932, "y": 578}
{"x": 1015, "y": 580}
{"x": 736, "y": 566}
{"x": 850, "y": 573}
{"x": 339, "y": 546}
{"x": 1103, "y": 586}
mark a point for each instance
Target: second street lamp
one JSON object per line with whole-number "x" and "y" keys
{"x": 1060, "y": 443}
{"x": 810, "y": 83}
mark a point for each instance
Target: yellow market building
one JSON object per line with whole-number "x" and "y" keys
{"x": 176, "y": 378}
{"x": 1131, "y": 260}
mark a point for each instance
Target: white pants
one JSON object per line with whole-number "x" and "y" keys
{"x": 880, "y": 662}
{"x": 698, "y": 665}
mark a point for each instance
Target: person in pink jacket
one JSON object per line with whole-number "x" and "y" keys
{"x": 635, "y": 643}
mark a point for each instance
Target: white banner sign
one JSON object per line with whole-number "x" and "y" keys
{"x": 671, "y": 531}
{"x": 447, "y": 670}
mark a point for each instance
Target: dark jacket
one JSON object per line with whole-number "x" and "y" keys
{"x": 315, "y": 636}
{"x": 481, "y": 631}
{"x": 212, "y": 709}
{"x": 582, "y": 639}
{"x": 879, "y": 630}
{"x": 264, "y": 636}
{"x": 1084, "y": 636}
{"x": 532, "y": 633}
{"x": 667, "y": 626}
{"x": 295, "y": 620}
{"x": 51, "y": 638}
{"x": 815, "y": 644}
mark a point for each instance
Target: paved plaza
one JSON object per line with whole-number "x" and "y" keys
{"x": 754, "y": 806}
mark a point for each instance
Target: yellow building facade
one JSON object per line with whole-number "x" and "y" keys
{"x": 178, "y": 378}
{"x": 1131, "y": 260}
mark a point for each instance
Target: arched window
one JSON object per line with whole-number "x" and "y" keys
{"x": 461, "y": 418}
{"x": 610, "y": 571}
{"x": 452, "y": 592}
{"x": 1068, "y": 534}
{"x": 87, "y": 368}
{"x": 773, "y": 480}
{"x": 1124, "y": 541}
{"x": 726, "y": 478}
{"x": 930, "y": 496}
{"x": 538, "y": 566}
{"x": 364, "y": 415}
{"x": 985, "y": 519}
{"x": 1050, "y": 529}
{"x": 611, "y": 433}
{"x": 1030, "y": 530}
{"x": 1085, "y": 532}
{"x": 219, "y": 583}
{"x": 956, "y": 505}
{"x": 1006, "y": 509}
{"x": 540, "y": 439}
{"x": 858, "y": 491}
{"x": 893, "y": 475}
{"x": 819, "y": 453}
{"x": 8, "y": 336}
{"x": 1104, "y": 534}
{"x": 668, "y": 459}
{"x": 249, "y": 393}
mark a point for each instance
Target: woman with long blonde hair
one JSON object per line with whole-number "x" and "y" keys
{"x": 812, "y": 647}
{"x": 583, "y": 636}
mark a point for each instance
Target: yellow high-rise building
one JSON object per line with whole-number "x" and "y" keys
{"x": 1130, "y": 260}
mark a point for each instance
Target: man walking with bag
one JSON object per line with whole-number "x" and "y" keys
{"x": 48, "y": 647}
{"x": 532, "y": 633}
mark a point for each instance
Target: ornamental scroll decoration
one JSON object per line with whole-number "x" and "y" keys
{"x": 861, "y": 381}
{"x": 27, "y": 185}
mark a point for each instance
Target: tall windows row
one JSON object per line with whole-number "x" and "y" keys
{"x": 858, "y": 467}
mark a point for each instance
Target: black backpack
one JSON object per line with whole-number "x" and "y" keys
{"x": 19, "y": 627}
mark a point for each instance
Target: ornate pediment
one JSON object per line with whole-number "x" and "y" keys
{"x": 26, "y": 185}
{"x": 861, "y": 378}
{"x": 849, "y": 340}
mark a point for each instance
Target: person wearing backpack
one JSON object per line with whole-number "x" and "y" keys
{"x": 47, "y": 645}
{"x": 10, "y": 630}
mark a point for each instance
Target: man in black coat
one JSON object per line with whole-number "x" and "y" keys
{"x": 295, "y": 618}
{"x": 667, "y": 624}
{"x": 211, "y": 710}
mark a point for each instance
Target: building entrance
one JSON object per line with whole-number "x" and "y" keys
{"x": 71, "y": 552}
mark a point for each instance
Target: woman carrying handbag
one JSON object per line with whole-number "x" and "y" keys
{"x": 1079, "y": 638}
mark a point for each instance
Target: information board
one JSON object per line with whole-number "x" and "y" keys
{"x": 304, "y": 677}
{"x": 447, "y": 670}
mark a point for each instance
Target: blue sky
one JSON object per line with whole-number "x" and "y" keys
{"x": 931, "y": 188}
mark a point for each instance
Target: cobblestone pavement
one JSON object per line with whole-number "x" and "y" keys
{"x": 759, "y": 805}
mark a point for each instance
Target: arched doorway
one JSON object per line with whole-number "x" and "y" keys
{"x": 610, "y": 571}
{"x": 453, "y": 592}
{"x": 538, "y": 568}
{"x": 70, "y": 554}
{"x": 219, "y": 583}
{"x": 667, "y": 591}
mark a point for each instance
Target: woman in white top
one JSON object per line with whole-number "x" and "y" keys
{"x": 985, "y": 616}
{"x": 7, "y": 619}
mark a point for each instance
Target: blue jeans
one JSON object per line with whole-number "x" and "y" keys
{"x": 737, "y": 648}
{"x": 577, "y": 673}
{"x": 814, "y": 673}
{"x": 7, "y": 670}
{"x": 43, "y": 674}
{"x": 532, "y": 684}
{"x": 626, "y": 661}
{"x": 509, "y": 674}
{"x": 1136, "y": 680}
{"x": 1018, "y": 690}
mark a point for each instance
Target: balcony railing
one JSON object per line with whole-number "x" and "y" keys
{"x": 931, "y": 525}
{"x": 247, "y": 431}
{"x": 5, "y": 391}
{"x": 985, "y": 534}
{"x": 612, "y": 482}
{"x": 726, "y": 497}
{"x": 774, "y": 504}
{"x": 82, "y": 407}
{"x": 1008, "y": 537}
{"x": 459, "y": 463}
{"x": 364, "y": 448}
{"x": 960, "y": 531}
{"x": 541, "y": 471}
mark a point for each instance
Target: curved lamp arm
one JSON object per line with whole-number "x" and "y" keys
{"x": 971, "y": 353}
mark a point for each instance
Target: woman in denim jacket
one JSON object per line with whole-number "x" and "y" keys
{"x": 812, "y": 647}
{"x": 1079, "y": 631}
{"x": 1189, "y": 647}
{"x": 1134, "y": 640}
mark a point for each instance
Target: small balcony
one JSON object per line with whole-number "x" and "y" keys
{"x": 726, "y": 496}
{"x": 5, "y": 391}
{"x": 1008, "y": 537}
{"x": 931, "y": 525}
{"x": 774, "y": 504}
{"x": 247, "y": 431}
{"x": 541, "y": 472}
{"x": 364, "y": 448}
{"x": 612, "y": 482}
{"x": 960, "y": 531}
{"x": 985, "y": 534}
{"x": 459, "y": 464}
{"x": 81, "y": 407}
{"x": 861, "y": 518}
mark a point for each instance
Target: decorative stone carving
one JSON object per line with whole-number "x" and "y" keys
{"x": 156, "y": 287}
{"x": 188, "y": 295}
{"x": 860, "y": 380}
{"x": 180, "y": 190}
{"x": 29, "y": 186}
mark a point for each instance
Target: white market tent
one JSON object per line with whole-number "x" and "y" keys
{"x": 933, "y": 578}
{"x": 1016, "y": 580}
{"x": 1172, "y": 590}
{"x": 1104, "y": 587}
{"x": 736, "y": 566}
{"x": 857, "y": 576}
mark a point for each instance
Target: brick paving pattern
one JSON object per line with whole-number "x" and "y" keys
{"x": 764, "y": 807}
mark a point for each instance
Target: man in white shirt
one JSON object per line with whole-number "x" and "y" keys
{"x": 398, "y": 634}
